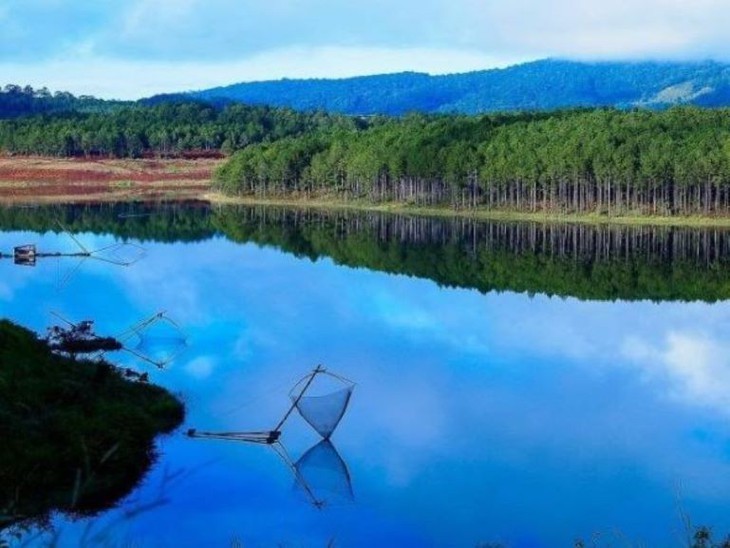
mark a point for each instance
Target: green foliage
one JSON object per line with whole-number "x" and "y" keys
{"x": 607, "y": 161}
{"x": 77, "y": 436}
{"x": 17, "y": 101}
{"x": 145, "y": 222}
{"x": 168, "y": 129}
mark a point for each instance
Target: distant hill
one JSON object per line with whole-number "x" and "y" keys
{"x": 539, "y": 85}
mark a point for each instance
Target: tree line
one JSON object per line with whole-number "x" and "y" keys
{"x": 168, "y": 129}
{"x": 602, "y": 160}
{"x": 609, "y": 161}
{"x": 19, "y": 101}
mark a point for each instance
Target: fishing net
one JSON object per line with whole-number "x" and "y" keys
{"x": 161, "y": 341}
{"x": 118, "y": 254}
{"x": 323, "y": 475}
{"x": 324, "y": 412}
{"x": 122, "y": 254}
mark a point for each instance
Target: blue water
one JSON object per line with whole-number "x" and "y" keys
{"x": 529, "y": 421}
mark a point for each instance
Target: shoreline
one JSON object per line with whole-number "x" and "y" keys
{"x": 186, "y": 195}
{"x": 216, "y": 198}
{"x": 47, "y": 181}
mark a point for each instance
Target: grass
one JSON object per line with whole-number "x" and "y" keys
{"x": 77, "y": 436}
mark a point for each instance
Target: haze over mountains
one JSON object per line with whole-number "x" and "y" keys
{"x": 539, "y": 85}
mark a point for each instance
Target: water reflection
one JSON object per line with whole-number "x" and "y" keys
{"x": 158, "y": 340}
{"x": 585, "y": 261}
{"x": 323, "y": 475}
{"x": 321, "y": 398}
{"x": 479, "y": 417}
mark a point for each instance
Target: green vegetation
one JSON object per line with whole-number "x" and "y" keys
{"x": 674, "y": 162}
{"x": 178, "y": 222}
{"x": 17, "y": 101}
{"x": 603, "y": 161}
{"x": 170, "y": 129}
{"x": 77, "y": 436}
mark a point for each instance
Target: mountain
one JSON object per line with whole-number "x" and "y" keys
{"x": 539, "y": 85}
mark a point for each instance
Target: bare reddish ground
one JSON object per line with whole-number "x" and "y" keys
{"x": 48, "y": 179}
{"x": 81, "y": 175}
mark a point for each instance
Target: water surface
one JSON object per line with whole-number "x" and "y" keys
{"x": 516, "y": 383}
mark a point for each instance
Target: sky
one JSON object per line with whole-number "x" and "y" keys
{"x": 140, "y": 47}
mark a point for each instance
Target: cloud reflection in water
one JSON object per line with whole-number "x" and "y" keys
{"x": 477, "y": 417}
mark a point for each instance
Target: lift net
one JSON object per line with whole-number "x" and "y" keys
{"x": 161, "y": 341}
{"x": 324, "y": 413}
{"x": 323, "y": 475}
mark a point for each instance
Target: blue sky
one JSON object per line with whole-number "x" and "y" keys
{"x": 139, "y": 47}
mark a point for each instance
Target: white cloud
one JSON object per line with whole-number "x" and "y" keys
{"x": 153, "y": 46}
{"x": 182, "y": 31}
{"x": 134, "y": 79}
{"x": 6, "y": 294}
{"x": 201, "y": 368}
{"x": 695, "y": 367}
{"x": 595, "y": 28}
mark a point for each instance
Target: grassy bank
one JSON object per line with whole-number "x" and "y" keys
{"x": 482, "y": 214}
{"x": 76, "y": 435}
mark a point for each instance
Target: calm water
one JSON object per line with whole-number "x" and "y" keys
{"x": 486, "y": 410}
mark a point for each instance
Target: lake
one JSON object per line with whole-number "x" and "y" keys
{"x": 516, "y": 384}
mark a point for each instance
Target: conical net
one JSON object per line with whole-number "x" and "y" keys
{"x": 161, "y": 342}
{"x": 125, "y": 253}
{"x": 323, "y": 475}
{"x": 324, "y": 413}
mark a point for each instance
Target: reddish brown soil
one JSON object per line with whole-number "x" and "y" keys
{"x": 50, "y": 179}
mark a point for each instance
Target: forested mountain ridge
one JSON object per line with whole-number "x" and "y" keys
{"x": 540, "y": 85}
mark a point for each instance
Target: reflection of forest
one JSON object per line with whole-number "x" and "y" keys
{"x": 185, "y": 222}
{"x": 585, "y": 261}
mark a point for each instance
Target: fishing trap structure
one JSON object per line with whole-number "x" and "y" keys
{"x": 156, "y": 340}
{"x": 122, "y": 254}
{"x": 322, "y": 411}
{"x": 119, "y": 253}
{"x": 321, "y": 398}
